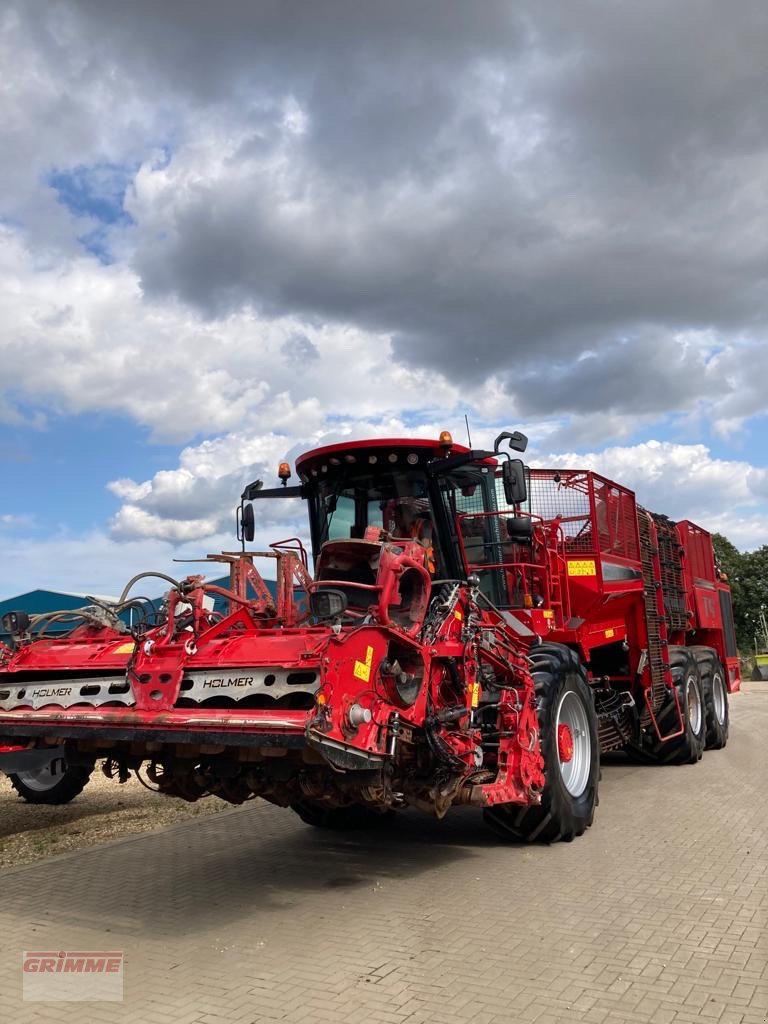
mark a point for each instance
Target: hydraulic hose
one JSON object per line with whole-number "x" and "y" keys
{"x": 143, "y": 575}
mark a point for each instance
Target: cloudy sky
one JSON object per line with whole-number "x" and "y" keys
{"x": 231, "y": 231}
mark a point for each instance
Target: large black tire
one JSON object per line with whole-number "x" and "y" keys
{"x": 340, "y": 819}
{"x": 57, "y": 784}
{"x": 688, "y": 747}
{"x": 569, "y": 799}
{"x": 715, "y": 692}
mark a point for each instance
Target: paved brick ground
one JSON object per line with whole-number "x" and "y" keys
{"x": 658, "y": 914}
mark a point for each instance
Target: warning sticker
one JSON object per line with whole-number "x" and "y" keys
{"x": 362, "y": 669}
{"x": 125, "y": 649}
{"x": 582, "y": 567}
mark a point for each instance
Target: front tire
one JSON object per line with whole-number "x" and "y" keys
{"x": 57, "y": 783}
{"x": 569, "y": 745}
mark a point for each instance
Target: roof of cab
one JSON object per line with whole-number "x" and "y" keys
{"x": 378, "y": 442}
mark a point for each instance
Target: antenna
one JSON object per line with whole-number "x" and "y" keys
{"x": 469, "y": 436}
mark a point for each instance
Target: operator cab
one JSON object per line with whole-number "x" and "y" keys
{"x": 454, "y": 502}
{"x": 438, "y": 494}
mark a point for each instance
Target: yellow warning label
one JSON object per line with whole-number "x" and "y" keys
{"x": 457, "y": 615}
{"x": 548, "y": 613}
{"x": 475, "y": 688}
{"x": 362, "y": 669}
{"x": 582, "y": 567}
{"x": 125, "y": 649}
{"x": 610, "y": 633}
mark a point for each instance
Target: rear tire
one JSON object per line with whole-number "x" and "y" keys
{"x": 355, "y": 816}
{"x": 689, "y": 746}
{"x": 715, "y": 693}
{"x": 57, "y": 783}
{"x": 569, "y": 799}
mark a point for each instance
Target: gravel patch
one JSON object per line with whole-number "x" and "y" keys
{"x": 104, "y": 810}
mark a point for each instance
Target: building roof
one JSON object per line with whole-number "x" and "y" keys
{"x": 42, "y": 593}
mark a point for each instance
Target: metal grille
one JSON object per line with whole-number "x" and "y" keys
{"x": 671, "y": 573}
{"x": 565, "y": 495}
{"x": 596, "y": 515}
{"x": 614, "y": 719}
{"x": 616, "y": 519}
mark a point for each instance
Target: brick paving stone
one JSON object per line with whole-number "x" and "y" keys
{"x": 659, "y": 915}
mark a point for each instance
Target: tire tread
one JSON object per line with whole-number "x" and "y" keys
{"x": 551, "y": 821}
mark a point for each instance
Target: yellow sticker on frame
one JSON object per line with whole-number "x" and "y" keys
{"x": 362, "y": 669}
{"x": 582, "y": 567}
{"x": 127, "y": 648}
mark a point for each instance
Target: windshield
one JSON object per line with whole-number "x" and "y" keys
{"x": 396, "y": 501}
{"x": 406, "y": 503}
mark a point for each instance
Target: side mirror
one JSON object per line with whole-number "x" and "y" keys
{"x": 513, "y": 477}
{"x": 518, "y": 442}
{"x": 328, "y": 604}
{"x": 247, "y": 523}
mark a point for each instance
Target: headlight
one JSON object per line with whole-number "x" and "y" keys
{"x": 327, "y": 604}
{"x": 16, "y": 623}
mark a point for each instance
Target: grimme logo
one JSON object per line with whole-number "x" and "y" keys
{"x": 72, "y": 976}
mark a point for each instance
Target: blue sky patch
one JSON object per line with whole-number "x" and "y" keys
{"x": 97, "y": 191}
{"x": 59, "y": 477}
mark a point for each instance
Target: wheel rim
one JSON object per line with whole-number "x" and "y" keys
{"x": 43, "y": 779}
{"x": 572, "y": 719}
{"x": 718, "y": 697}
{"x": 693, "y": 698}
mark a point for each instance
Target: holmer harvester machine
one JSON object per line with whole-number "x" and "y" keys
{"x": 473, "y": 632}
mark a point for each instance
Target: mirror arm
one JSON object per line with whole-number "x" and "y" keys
{"x": 297, "y": 491}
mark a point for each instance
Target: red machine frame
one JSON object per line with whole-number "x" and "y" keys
{"x": 580, "y": 564}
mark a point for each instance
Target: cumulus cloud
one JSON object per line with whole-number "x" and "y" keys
{"x": 489, "y": 193}
{"x": 80, "y": 337}
{"x": 10, "y": 519}
{"x": 268, "y": 223}
{"x": 685, "y": 481}
{"x": 496, "y": 192}
{"x": 89, "y": 563}
{"x": 196, "y": 499}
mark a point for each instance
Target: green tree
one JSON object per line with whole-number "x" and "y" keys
{"x": 747, "y": 573}
{"x": 754, "y": 593}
